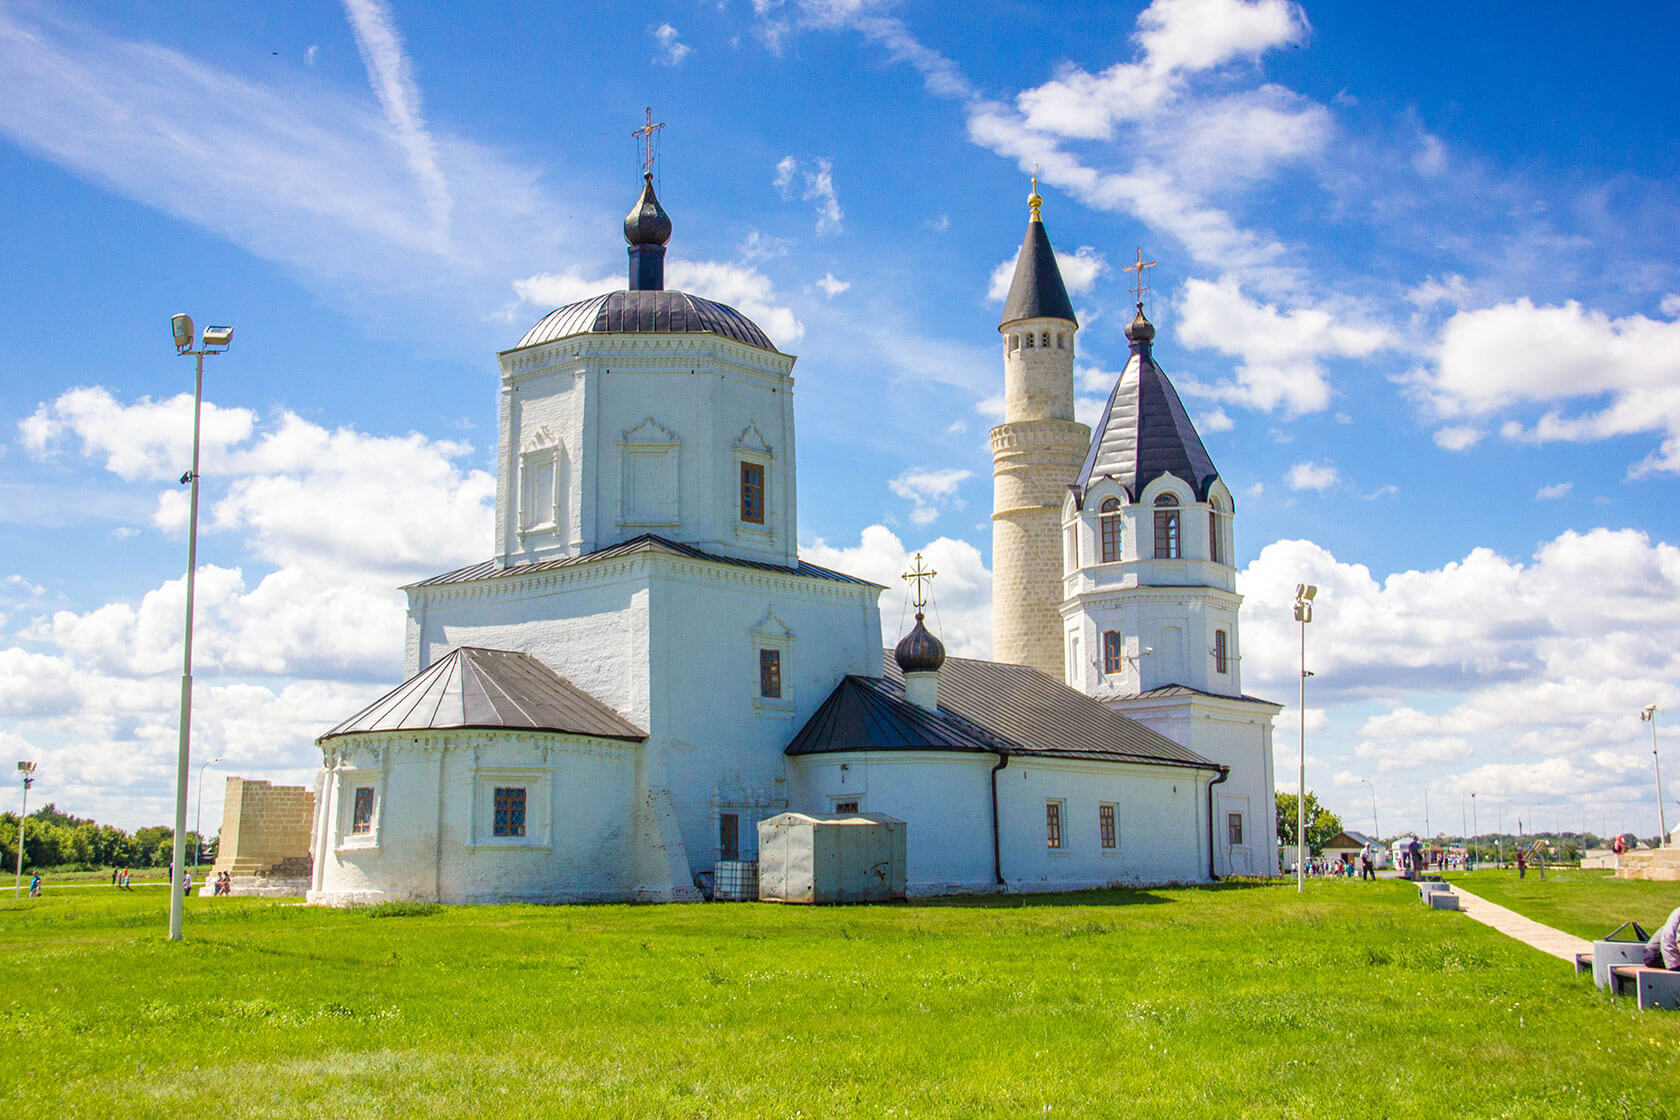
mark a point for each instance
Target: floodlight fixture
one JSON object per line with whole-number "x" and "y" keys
{"x": 27, "y": 767}
{"x": 1647, "y": 713}
{"x": 220, "y": 337}
{"x": 182, "y": 325}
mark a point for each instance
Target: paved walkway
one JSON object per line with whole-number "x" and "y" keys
{"x": 1544, "y": 938}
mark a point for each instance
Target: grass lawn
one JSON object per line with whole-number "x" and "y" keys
{"x": 1588, "y": 904}
{"x": 1354, "y": 1001}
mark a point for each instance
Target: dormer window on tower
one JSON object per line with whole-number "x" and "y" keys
{"x": 752, "y": 493}
{"x": 1167, "y": 524}
{"x": 1109, "y": 518}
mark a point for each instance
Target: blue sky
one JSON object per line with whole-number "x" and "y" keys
{"x": 1419, "y": 285}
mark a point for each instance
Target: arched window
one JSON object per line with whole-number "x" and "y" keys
{"x": 1109, "y": 517}
{"x": 1166, "y": 528}
{"x": 1029, "y": 340}
{"x": 1214, "y": 552}
{"x": 1219, "y": 652}
{"x": 1112, "y": 660}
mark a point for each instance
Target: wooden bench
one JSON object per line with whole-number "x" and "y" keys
{"x": 1655, "y": 987}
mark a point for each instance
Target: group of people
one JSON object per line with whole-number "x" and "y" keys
{"x": 120, "y": 878}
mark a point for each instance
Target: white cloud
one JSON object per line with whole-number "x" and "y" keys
{"x": 669, "y": 49}
{"x": 146, "y": 441}
{"x": 1497, "y": 359}
{"x": 1555, "y": 490}
{"x": 557, "y": 289}
{"x": 1458, "y": 437}
{"x": 759, "y": 246}
{"x": 960, "y": 608}
{"x": 832, "y": 287}
{"x": 1214, "y": 421}
{"x": 391, "y": 74}
{"x": 1431, "y": 158}
{"x": 1079, "y": 270}
{"x": 1313, "y": 476}
{"x": 309, "y": 55}
{"x": 930, "y": 489}
{"x": 1281, "y": 352}
{"x": 818, "y": 179}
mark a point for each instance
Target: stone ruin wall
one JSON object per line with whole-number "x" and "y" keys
{"x": 267, "y": 833}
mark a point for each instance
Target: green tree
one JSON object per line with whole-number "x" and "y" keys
{"x": 1322, "y": 825}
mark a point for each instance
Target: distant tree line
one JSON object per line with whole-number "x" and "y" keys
{"x": 55, "y": 839}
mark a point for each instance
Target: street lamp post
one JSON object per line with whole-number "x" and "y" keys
{"x": 215, "y": 340}
{"x": 1474, "y": 827}
{"x": 1304, "y": 595}
{"x": 198, "y": 817}
{"x": 1377, "y": 828}
{"x": 1648, "y": 714}
{"x": 27, "y": 769}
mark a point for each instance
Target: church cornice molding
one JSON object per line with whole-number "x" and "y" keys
{"x": 388, "y": 747}
{"x": 1111, "y": 594}
{"x": 647, "y": 354}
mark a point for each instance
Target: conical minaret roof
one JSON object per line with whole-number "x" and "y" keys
{"x": 1145, "y": 432}
{"x": 1037, "y": 291}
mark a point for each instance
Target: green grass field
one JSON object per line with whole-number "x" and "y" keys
{"x": 1354, "y": 1001}
{"x": 1588, "y": 904}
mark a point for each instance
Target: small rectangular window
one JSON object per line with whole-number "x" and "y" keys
{"x": 1053, "y": 824}
{"x": 1219, "y": 653}
{"x": 729, "y": 836}
{"x": 770, "y": 674}
{"x": 361, "y": 817}
{"x": 846, "y": 806}
{"x": 1113, "y": 661}
{"x": 1233, "y": 827}
{"x": 752, "y": 493}
{"x": 510, "y": 811}
{"x": 1105, "y": 823}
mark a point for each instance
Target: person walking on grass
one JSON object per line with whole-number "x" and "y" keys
{"x": 1522, "y": 863}
{"x": 35, "y": 886}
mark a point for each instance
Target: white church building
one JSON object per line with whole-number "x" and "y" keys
{"x": 644, "y": 669}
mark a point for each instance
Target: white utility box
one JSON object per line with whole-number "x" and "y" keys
{"x": 851, "y": 857}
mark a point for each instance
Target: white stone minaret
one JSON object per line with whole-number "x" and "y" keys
{"x": 1036, "y": 453}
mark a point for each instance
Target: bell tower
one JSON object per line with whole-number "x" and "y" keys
{"x": 1036, "y": 453}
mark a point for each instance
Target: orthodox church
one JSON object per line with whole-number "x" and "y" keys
{"x": 644, "y": 668}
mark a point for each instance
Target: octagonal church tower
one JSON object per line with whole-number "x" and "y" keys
{"x": 1036, "y": 453}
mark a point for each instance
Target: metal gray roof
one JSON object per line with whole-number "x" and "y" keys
{"x": 660, "y": 311}
{"x": 494, "y": 688}
{"x": 647, "y": 542}
{"x": 983, "y": 706}
{"x": 1037, "y": 291}
{"x": 1186, "y": 690}
{"x": 1144, "y": 434}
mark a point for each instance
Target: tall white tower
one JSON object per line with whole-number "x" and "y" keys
{"x": 1035, "y": 456}
{"x": 1150, "y": 615}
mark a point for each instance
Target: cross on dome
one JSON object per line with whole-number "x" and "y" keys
{"x": 1033, "y": 200}
{"x": 1140, "y": 287}
{"x": 645, "y": 135}
{"x": 919, "y": 575}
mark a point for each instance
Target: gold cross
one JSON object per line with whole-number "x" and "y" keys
{"x": 645, "y": 135}
{"x": 1138, "y": 268}
{"x": 919, "y": 575}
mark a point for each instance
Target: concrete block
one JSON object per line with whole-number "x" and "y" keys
{"x": 1443, "y": 900}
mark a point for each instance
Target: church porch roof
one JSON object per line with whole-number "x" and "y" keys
{"x": 647, "y": 542}
{"x": 983, "y": 706}
{"x": 489, "y": 688}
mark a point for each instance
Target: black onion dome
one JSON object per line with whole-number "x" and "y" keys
{"x": 919, "y": 651}
{"x": 647, "y": 223}
{"x": 1140, "y": 329}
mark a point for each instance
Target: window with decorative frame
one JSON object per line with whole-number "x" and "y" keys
{"x": 752, "y": 493}
{"x": 1108, "y": 518}
{"x": 1053, "y": 825}
{"x": 1234, "y": 828}
{"x": 361, "y": 816}
{"x": 1167, "y": 544}
{"x": 1105, "y": 826}
{"x": 770, "y": 674}
{"x": 1114, "y": 660}
{"x": 1221, "y": 658}
{"x": 539, "y": 484}
{"x": 508, "y": 808}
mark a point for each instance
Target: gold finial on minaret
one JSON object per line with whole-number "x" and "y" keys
{"x": 1033, "y": 200}
{"x": 645, "y": 136}
{"x": 1140, "y": 287}
{"x": 919, "y": 575}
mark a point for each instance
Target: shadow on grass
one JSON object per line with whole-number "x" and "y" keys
{"x": 1108, "y": 896}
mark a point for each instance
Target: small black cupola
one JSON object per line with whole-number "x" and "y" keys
{"x": 646, "y": 229}
{"x": 919, "y": 651}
